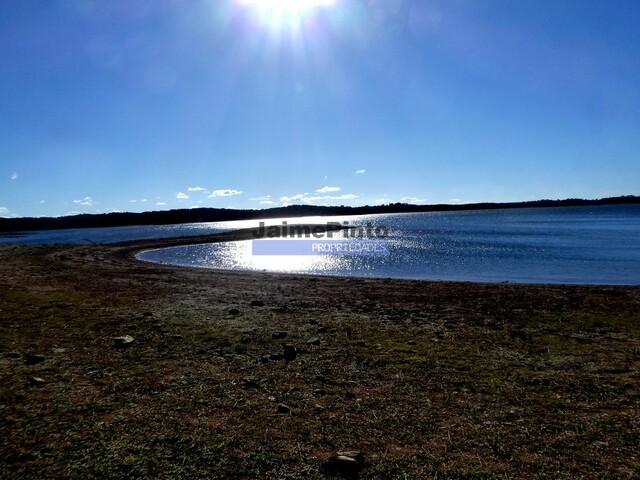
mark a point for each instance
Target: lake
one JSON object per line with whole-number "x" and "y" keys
{"x": 574, "y": 245}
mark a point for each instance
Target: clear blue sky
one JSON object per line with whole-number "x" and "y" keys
{"x": 139, "y": 105}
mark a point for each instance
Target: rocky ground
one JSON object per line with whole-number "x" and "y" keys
{"x": 114, "y": 368}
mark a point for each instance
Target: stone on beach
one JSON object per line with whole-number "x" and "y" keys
{"x": 290, "y": 352}
{"x": 124, "y": 341}
{"x": 34, "y": 359}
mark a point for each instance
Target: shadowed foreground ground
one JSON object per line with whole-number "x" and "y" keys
{"x": 425, "y": 379}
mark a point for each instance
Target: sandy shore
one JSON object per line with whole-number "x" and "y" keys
{"x": 422, "y": 379}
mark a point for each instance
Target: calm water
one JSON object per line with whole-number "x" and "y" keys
{"x": 581, "y": 245}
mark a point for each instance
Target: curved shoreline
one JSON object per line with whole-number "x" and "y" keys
{"x": 131, "y": 249}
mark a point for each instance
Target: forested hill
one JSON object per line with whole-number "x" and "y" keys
{"x": 222, "y": 214}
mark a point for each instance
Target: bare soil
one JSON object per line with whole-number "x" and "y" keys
{"x": 421, "y": 379}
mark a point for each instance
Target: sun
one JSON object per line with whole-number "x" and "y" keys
{"x": 290, "y": 5}
{"x": 278, "y": 12}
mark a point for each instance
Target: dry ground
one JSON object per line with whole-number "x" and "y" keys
{"x": 426, "y": 379}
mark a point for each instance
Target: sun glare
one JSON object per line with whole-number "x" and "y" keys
{"x": 277, "y": 12}
{"x": 289, "y": 4}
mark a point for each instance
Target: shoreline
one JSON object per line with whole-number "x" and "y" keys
{"x": 136, "y": 247}
{"x": 421, "y": 378}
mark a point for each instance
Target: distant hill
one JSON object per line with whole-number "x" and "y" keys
{"x": 193, "y": 215}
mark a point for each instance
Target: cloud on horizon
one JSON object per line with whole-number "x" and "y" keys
{"x": 413, "y": 200}
{"x": 225, "y": 192}
{"x": 4, "y": 210}
{"x": 328, "y": 189}
{"x": 306, "y": 198}
{"x": 86, "y": 201}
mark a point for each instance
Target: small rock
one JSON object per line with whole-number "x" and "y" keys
{"x": 58, "y": 350}
{"x": 265, "y": 358}
{"x": 322, "y": 329}
{"x": 246, "y": 339}
{"x": 158, "y": 326}
{"x": 132, "y": 327}
{"x": 347, "y": 464}
{"x": 257, "y": 303}
{"x": 147, "y": 314}
{"x": 279, "y": 335}
{"x": 202, "y": 351}
{"x": 121, "y": 342}
{"x": 361, "y": 343}
{"x": 234, "y": 311}
{"x": 34, "y": 359}
{"x": 37, "y": 381}
{"x": 284, "y": 409}
{"x": 250, "y": 382}
{"x": 313, "y": 341}
{"x": 351, "y": 455}
{"x": 176, "y": 336}
{"x": 313, "y": 321}
{"x": 289, "y": 352}
{"x": 411, "y": 342}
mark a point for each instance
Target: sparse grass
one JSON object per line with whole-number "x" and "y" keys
{"x": 443, "y": 380}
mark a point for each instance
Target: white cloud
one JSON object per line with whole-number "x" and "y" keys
{"x": 160, "y": 204}
{"x": 383, "y": 200}
{"x": 413, "y": 200}
{"x": 143, "y": 200}
{"x": 4, "y": 210}
{"x": 86, "y": 201}
{"x": 264, "y": 198}
{"x": 42, "y": 201}
{"x": 360, "y": 172}
{"x": 196, "y": 189}
{"x": 181, "y": 196}
{"x": 226, "y": 192}
{"x": 455, "y": 200}
{"x": 293, "y": 198}
{"x": 328, "y": 189}
{"x": 14, "y": 176}
{"x": 347, "y": 196}
{"x": 133, "y": 201}
{"x": 306, "y": 198}
{"x": 266, "y": 202}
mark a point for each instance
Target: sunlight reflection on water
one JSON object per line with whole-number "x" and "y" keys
{"x": 239, "y": 256}
{"x": 584, "y": 245}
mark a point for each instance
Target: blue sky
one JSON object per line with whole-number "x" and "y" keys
{"x": 146, "y": 105}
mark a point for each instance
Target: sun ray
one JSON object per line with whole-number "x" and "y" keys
{"x": 278, "y": 13}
